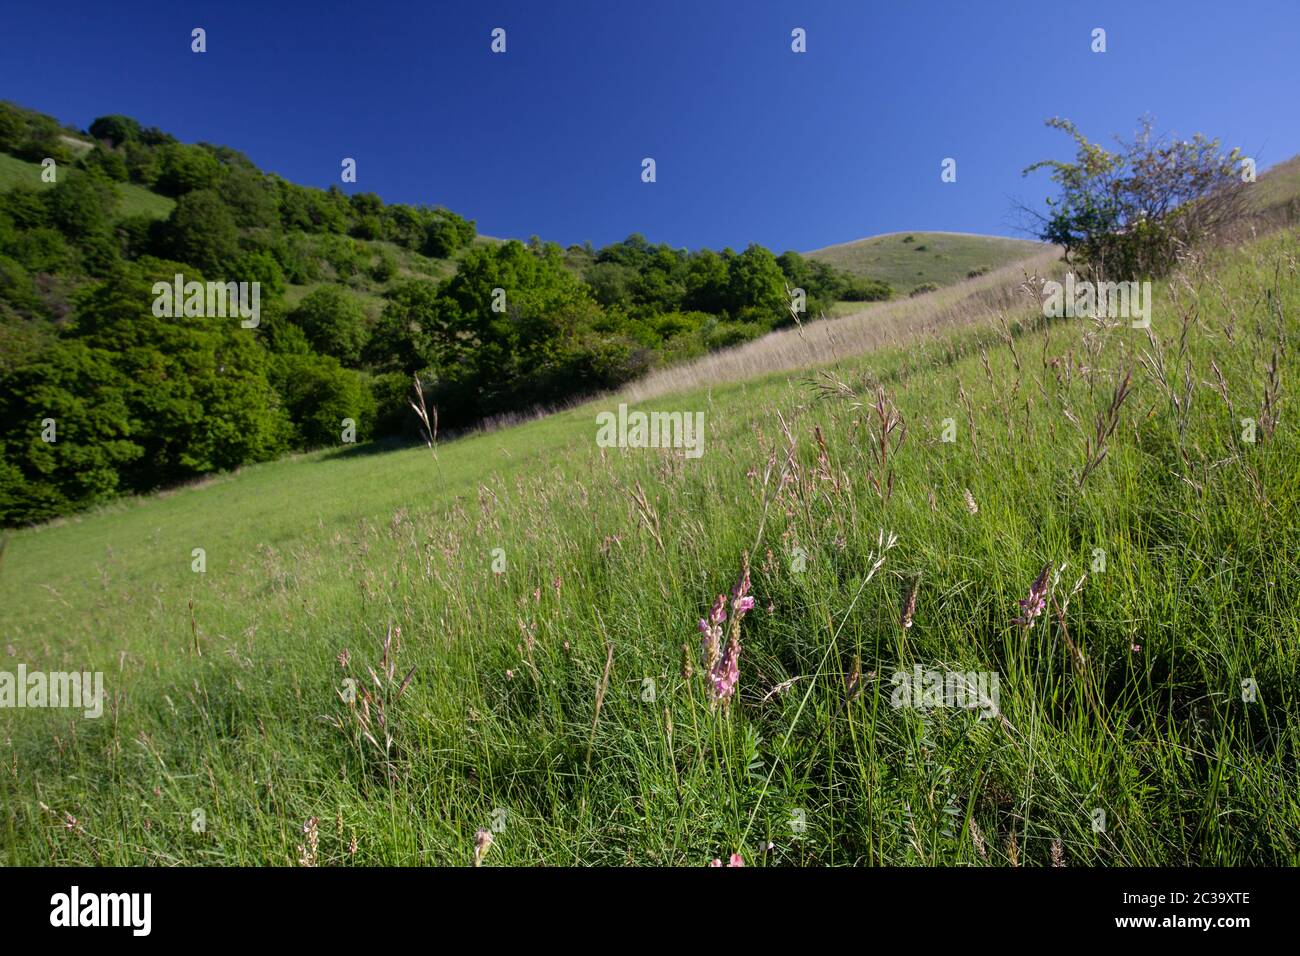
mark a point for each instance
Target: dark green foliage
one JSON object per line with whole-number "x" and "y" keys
{"x": 110, "y": 164}
{"x": 445, "y": 233}
{"x": 81, "y": 202}
{"x": 18, "y": 289}
{"x": 383, "y": 267}
{"x": 78, "y": 388}
{"x": 253, "y": 198}
{"x": 44, "y": 250}
{"x": 201, "y": 230}
{"x": 137, "y": 235}
{"x": 115, "y": 130}
{"x": 141, "y": 163}
{"x": 390, "y": 392}
{"x": 756, "y": 286}
{"x": 334, "y": 323}
{"x": 34, "y": 136}
{"x": 260, "y": 267}
{"x": 515, "y": 326}
{"x": 319, "y": 395}
{"x": 26, "y": 208}
{"x": 183, "y": 169}
{"x": 404, "y": 335}
{"x": 196, "y": 389}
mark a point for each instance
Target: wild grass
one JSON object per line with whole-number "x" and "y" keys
{"x": 133, "y": 200}
{"x": 358, "y": 679}
{"x": 881, "y": 325}
{"x": 907, "y": 260}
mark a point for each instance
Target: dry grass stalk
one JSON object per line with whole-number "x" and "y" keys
{"x": 896, "y": 322}
{"x": 1095, "y": 449}
{"x": 649, "y": 517}
{"x": 430, "y": 425}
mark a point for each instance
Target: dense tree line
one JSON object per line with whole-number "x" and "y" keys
{"x": 100, "y": 396}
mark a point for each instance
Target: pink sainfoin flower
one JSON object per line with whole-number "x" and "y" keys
{"x": 726, "y": 674}
{"x": 723, "y": 664}
{"x": 741, "y": 601}
{"x": 1036, "y": 602}
{"x": 736, "y": 860}
{"x": 711, "y": 628}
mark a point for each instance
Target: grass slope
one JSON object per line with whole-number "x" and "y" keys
{"x": 133, "y": 200}
{"x": 941, "y": 258}
{"x": 1278, "y": 186}
{"x": 561, "y": 702}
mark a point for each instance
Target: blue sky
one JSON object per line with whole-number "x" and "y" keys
{"x": 752, "y": 142}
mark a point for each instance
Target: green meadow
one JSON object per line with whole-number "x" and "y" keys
{"x": 381, "y": 651}
{"x": 132, "y": 200}
{"x": 910, "y": 260}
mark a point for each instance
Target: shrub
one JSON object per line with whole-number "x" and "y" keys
{"x": 1128, "y": 213}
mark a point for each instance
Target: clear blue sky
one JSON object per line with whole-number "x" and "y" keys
{"x": 752, "y": 141}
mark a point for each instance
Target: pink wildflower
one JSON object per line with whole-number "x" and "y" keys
{"x": 718, "y": 613}
{"x": 1036, "y": 602}
{"x": 711, "y": 628}
{"x": 722, "y": 664}
{"x": 725, "y": 674}
{"x": 741, "y": 602}
{"x": 735, "y": 860}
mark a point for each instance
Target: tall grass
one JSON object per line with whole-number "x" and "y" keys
{"x": 882, "y": 325}
{"x": 559, "y": 702}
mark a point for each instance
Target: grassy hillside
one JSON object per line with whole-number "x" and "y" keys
{"x": 909, "y": 259}
{"x": 561, "y": 703}
{"x": 133, "y": 200}
{"x": 1277, "y": 186}
{"x": 369, "y": 290}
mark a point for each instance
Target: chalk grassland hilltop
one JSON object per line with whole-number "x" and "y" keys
{"x": 920, "y": 260}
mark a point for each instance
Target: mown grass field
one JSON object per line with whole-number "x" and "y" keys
{"x": 561, "y": 703}
{"x": 938, "y": 258}
{"x": 133, "y": 200}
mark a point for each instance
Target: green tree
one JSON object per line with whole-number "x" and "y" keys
{"x": 446, "y": 233}
{"x": 334, "y": 322}
{"x": 115, "y": 129}
{"x": 252, "y": 198}
{"x": 319, "y": 395}
{"x": 201, "y": 231}
{"x": 108, "y": 163}
{"x": 78, "y": 390}
{"x": 81, "y": 203}
{"x": 183, "y": 169}
{"x": 413, "y": 319}
{"x": 756, "y": 286}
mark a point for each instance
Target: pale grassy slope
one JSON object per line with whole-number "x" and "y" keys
{"x": 941, "y": 258}
{"x": 969, "y": 303}
{"x": 133, "y": 200}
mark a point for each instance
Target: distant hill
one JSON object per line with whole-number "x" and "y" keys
{"x": 135, "y": 200}
{"x": 907, "y": 260}
{"x": 1277, "y": 186}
